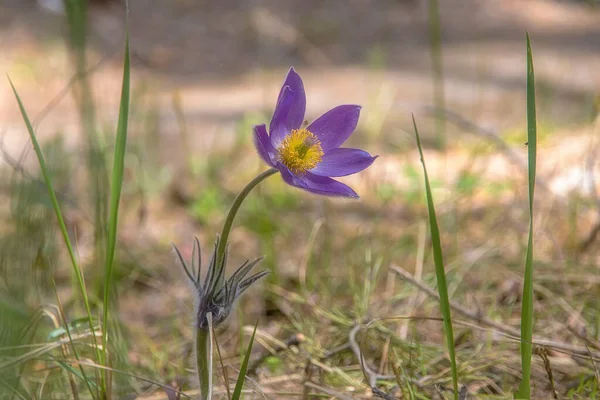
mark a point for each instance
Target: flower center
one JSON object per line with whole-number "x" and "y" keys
{"x": 300, "y": 151}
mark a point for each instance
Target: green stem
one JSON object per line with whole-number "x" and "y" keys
{"x": 233, "y": 211}
{"x": 203, "y": 362}
{"x": 204, "y": 337}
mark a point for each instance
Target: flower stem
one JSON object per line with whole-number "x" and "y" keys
{"x": 204, "y": 336}
{"x": 233, "y": 211}
{"x": 204, "y": 360}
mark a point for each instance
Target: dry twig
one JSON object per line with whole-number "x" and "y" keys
{"x": 328, "y": 391}
{"x": 370, "y": 374}
{"x": 295, "y": 340}
{"x": 543, "y": 354}
{"x": 502, "y": 328}
{"x": 470, "y": 126}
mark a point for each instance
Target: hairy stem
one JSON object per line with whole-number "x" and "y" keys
{"x": 232, "y": 213}
{"x": 204, "y": 362}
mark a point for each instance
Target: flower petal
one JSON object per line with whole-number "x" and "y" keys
{"x": 263, "y": 145}
{"x": 316, "y": 184}
{"x": 335, "y": 126}
{"x": 290, "y": 108}
{"x": 342, "y": 162}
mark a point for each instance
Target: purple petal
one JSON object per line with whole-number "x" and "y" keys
{"x": 263, "y": 145}
{"x": 290, "y": 108}
{"x": 335, "y": 126}
{"x": 316, "y": 184}
{"x": 342, "y": 162}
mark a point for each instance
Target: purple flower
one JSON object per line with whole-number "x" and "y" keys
{"x": 308, "y": 157}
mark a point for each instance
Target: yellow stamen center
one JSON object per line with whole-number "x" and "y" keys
{"x": 300, "y": 151}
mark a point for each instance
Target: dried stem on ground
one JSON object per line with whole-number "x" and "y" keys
{"x": 370, "y": 373}
{"x": 294, "y": 340}
{"x": 470, "y": 126}
{"x": 506, "y": 330}
{"x": 328, "y": 391}
{"x": 543, "y": 354}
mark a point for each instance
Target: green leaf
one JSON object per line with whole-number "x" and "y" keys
{"x": 237, "y": 393}
{"x": 524, "y": 391}
{"x": 61, "y": 222}
{"x": 440, "y": 273}
{"x": 115, "y": 194}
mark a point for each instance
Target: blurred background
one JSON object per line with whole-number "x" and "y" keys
{"x": 203, "y": 73}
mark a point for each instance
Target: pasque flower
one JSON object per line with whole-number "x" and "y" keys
{"x": 307, "y": 157}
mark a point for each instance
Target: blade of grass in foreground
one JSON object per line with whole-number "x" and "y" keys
{"x": 524, "y": 391}
{"x": 115, "y": 196}
{"x": 59, "y": 217}
{"x": 440, "y": 273}
{"x": 237, "y": 393}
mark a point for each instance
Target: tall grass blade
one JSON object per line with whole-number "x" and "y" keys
{"x": 524, "y": 391}
{"x": 76, "y": 12}
{"x": 237, "y": 392}
{"x": 440, "y": 273}
{"x": 435, "y": 50}
{"x": 61, "y": 222}
{"x": 77, "y": 22}
{"x": 115, "y": 195}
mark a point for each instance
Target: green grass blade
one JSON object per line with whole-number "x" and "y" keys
{"x": 76, "y": 11}
{"x": 97, "y": 179}
{"x": 14, "y": 391}
{"x": 237, "y": 393}
{"x": 115, "y": 194}
{"x": 67, "y": 330}
{"x": 74, "y": 371}
{"x": 524, "y": 391}
{"x": 440, "y": 273}
{"x": 437, "y": 74}
{"x": 61, "y": 222}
